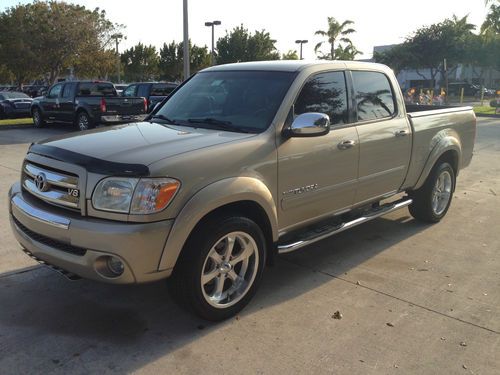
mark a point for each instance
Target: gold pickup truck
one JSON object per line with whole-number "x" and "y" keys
{"x": 241, "y": 163}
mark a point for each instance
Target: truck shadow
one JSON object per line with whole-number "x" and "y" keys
{"x": 127, "y": 327}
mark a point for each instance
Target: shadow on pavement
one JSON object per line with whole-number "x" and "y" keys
{"x": 49, "y": 323}
{"x": 28, "y": 135}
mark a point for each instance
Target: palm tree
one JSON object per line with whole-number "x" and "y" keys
{"x": 336, "y": 31}
{"x": 349, "y": 52}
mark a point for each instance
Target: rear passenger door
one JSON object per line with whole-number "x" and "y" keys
{"x": 384, "y": 136}
{"x": 317, "y": 175}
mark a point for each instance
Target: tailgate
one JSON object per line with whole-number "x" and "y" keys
{"x": 124, "y": 106}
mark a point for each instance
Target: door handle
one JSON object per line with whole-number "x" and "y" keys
{"x": 401, "y": 133}
{"x": 344, "y": 145}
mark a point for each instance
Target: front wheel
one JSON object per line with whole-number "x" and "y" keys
{"x": 221, "y": 268}
{"x": 432, "y": 200}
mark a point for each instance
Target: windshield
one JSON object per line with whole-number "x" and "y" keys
{"x": 234, "y": 100}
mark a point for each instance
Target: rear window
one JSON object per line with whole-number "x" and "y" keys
{"x": 96, "y": 89}
{"x": 374, "y": 97}
{"x": 161, "y": 90}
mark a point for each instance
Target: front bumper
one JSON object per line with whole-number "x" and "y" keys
{"x": 122, "y": 118}
{"x": 79, "y": 245}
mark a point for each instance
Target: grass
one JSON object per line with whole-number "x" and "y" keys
{"x": 485, "y": 110}
{"x": 16, "y": 121}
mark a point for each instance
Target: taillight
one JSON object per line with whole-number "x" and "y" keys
{"x": 103, "y": 105}
{"x": 145, "y": 105}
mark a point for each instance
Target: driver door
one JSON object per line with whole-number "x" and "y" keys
{"x": 317, "y": 176}
{"x": 51, "y": 103}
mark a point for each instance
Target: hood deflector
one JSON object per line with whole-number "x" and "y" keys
{"x": 90, "y": 163}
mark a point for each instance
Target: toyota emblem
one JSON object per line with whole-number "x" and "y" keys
{"x": 41, "y": 182}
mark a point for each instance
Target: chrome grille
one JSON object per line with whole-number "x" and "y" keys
{"x": 52, "y": 186}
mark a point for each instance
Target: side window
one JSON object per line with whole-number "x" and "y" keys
{"x": 161, "y": 90}
{"x": 324, "y": 93}
{"x": 68, "y": 89}
{"x": 55, "y": 91}
{"x": 130, "y": 91}
{"x": 373, "y": 93}
{"x": 143, "y": 91}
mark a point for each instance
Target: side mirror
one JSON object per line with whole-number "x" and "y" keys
{"x": 311, "y": 124}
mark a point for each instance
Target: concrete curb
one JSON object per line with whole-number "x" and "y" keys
{"x": 488, "y": 115}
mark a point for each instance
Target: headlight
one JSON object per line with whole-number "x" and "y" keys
{"x": 133, "y": 195}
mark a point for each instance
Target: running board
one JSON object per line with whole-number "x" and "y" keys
{"x": 289, "y": 247}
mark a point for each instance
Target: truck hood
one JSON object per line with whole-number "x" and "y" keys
{"x": 140, "y": 143}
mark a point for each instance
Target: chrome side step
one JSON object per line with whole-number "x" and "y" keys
{"x": 289, "y": 247}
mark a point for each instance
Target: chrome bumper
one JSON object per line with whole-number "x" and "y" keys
{"x": 79, "y": 244}
{"x": 122, "y": 118}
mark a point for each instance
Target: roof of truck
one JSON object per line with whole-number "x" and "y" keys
{"x": 293, "y": 65}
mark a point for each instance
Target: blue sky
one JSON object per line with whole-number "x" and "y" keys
{"x": 377, "y": 22}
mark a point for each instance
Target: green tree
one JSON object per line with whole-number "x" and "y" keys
{"x": 172, "y": 60}
{"x": 240, "y": 45}
{"x": 336, "y": 32}
{"x": 491, "y": 24}
{"x": 347, "y": 52}
{"x": 6, "y": 75}
{"x": 47, "y": 38}
{"x": 140, "y": 63}
{"x": 290, "y": 55}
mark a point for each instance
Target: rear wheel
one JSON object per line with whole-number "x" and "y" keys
{"x": 221, "y": 268}
{"x": 83, "y": 121}
{"x": 37, "y": 118}
{"x": 432, "y": 200}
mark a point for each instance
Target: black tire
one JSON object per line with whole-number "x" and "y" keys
{"x": 185, "y": 284}
{"x": 423, "y": 207}
{"x": 38, "y": 120}
{"x": 83, "y": 121}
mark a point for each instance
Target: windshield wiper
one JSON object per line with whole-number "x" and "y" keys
{"x": 221, "y": 124}
{"x": 164, "y": 118}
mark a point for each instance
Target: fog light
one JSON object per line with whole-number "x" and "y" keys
{"x": 115, "y": 265}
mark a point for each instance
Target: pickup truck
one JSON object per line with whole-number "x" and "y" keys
{"x": 154, "y": 92}
{"x": 86, "y": 104}
{"x": 241, "y": 163}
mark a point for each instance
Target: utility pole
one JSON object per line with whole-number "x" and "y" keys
{"x": 186, "y": 40}
{"x": 117, "y": 37}
{"x": 301, "y": 42}
{"x": 212, "y": 24}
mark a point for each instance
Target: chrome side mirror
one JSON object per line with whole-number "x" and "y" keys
{"x": 311, "y": 124}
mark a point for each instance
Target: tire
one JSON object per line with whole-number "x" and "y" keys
{"x": 432, "y": 200}
{"x": 38, "y": 120}
{"x": 83, "y": 121}
{"x": 206, "y": 282}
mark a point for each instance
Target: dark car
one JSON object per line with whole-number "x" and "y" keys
{"x": 86, "y": 104}
{"x": 14, "y": 104}
{"x": 154, "y": 92}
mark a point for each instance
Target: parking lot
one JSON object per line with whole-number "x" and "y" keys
{"x": 413, "y": 298}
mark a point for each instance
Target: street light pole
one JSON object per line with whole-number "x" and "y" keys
{"x": 301, "y": 42}
{"x": 186, "y": 40}
{"x": 117, "y": 37}
{"x": 212, "y": 24}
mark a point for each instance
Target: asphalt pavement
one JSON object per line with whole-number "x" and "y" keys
{"x": 413, "y": 299}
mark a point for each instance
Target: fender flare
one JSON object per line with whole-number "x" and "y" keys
{"x": 444, "y": 141}
{"x": 206, "y": 200}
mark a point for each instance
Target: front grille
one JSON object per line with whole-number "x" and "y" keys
{"x": 67, "y": 248}
{"x": 51, "y": 185}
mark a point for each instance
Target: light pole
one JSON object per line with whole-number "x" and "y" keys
{"x": 186, "y": 40}
{"x": 301, "y": 41}
{"x": 117, "y": 37}
{"x": 212, "y": 24}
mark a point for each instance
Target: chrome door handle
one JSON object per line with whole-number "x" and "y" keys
{"x": 344, "y": 145}
{"x": 401, "y": 133}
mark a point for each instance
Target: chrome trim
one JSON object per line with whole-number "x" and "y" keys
{"x": 39, "y": 215}
{"x": 53, "y": 178}
{"x": 54, "y": 196}
{"x": 287, "y": 248}
{"x": 310, "y": 124}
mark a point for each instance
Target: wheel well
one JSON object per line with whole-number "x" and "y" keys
{"x": 250, "y": 210}
{"x": 451, "y": 157}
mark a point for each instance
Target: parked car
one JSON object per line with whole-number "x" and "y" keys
{"x": 35, "y": 90}
{"x": 241, "y": 163}
{"x": 86, "y": 104}
{"x": 119, "y": 88}
{"x": 154, "y": 92}
{"x": 14, "y": 104}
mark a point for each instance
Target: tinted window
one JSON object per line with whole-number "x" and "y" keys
{"x": 143, "y": 91}
{"x": 161, "y": 89}
{"x": 96, "y": 89}
{"x": 55, "y": 91}
{"x": 246, "y": 100}
{"x": 373, "y": 94}
{"x": 129, "y": 91}
{"x": 324, "y": 93}
{"x": 68, "y": 89}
